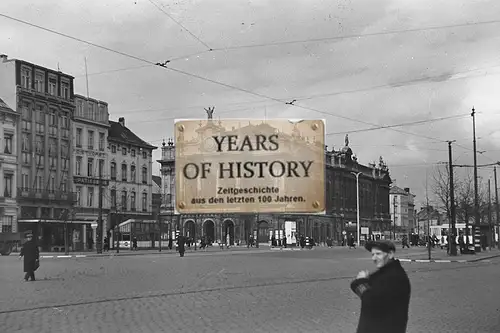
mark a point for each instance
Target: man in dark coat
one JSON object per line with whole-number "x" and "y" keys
{"x": 180, "y": 245}
{"x": 385, "y": 294}
{"x": 31, "y": 257}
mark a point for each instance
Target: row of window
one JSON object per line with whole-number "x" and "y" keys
{"x": 39, "y": 83}
{"x": 90, "y": 139}
{"x": 132, "y": 152}
{"x": 124, "y": 173}
{"x": 52, "y": 185}
{"x": 127, "y": 202}
{"x": 40, "y": 114}
{"x": 89, "y": 111}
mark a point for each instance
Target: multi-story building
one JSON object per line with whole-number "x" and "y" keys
{"x": 341, "y": 207}
{"x": 130, "y": 190}
{"x": 8, "y": 168}
{"x": 44, "y": 100}
{"x": 428, "y": 216}
{"x": 402, "y": 207}
{"x": 91, "y": 163}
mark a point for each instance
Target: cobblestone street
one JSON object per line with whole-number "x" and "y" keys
{"x": 255, "y": 291}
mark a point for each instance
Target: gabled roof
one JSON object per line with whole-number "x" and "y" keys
{"x": 4, "y": 106}
{"x": 122, "y": 134}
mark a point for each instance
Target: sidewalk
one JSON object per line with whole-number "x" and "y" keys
{"x": 443, "y": 257}
{"x": 128, "y": 252}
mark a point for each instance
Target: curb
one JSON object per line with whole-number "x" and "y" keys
{"x": 449, "y": 260}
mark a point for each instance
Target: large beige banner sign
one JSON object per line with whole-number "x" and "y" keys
{"x": 250, "y": 166}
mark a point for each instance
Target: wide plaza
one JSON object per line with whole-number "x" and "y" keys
{"x": 254, "y": 290}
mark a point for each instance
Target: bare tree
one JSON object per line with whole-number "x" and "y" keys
{"x": 441, "y": 188}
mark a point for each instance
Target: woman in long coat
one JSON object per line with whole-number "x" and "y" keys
{"x": 31, "y": 257}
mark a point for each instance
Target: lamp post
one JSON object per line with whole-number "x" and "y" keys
{"x": 358, "y": 227}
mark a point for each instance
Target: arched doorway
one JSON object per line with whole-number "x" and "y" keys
{"x": 209, "y": 231}
{"x": 263, "y": 232}
{"x": 228, "y": 229}
{"x": 190, "y": 229}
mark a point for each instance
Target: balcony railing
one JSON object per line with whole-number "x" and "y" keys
{"x": 46, "y": 194}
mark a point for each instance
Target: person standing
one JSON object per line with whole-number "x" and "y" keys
{"x": 180, "y": 245}
{"x": 31, "y": 256}
{"x": 385, "y": 294}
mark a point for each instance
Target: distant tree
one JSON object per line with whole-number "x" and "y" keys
{"x": 441, "y": 188}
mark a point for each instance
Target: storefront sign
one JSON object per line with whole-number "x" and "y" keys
{"x": 250, "y": 166}
{"x": 90, "y": 181}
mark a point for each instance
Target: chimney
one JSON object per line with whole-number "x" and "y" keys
{"x": 121, "y": 120}
{"x": 3, "y": 57}
{"x": 407, "y": 189}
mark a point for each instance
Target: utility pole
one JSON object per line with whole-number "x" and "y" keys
{"x": 492, "y": 231}
{"x": 99, "y": 221}
{"x": 497, "y": 209}
{"x": 428, "y": 219}
{"x": 394, "y": 210}
{"x": 358, "y": 225}
{"x": 452, "y": 245}
{"x": 476, "y": 229}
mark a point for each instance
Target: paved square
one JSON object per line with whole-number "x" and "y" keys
{"x": 279, "y": 291}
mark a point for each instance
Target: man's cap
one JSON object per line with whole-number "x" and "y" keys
{"x": 383, "y": 245}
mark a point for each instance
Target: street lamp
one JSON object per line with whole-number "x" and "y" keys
{"x": 357, "y": 205}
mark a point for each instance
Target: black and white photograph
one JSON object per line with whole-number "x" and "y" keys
{"x": 244, "y": 166}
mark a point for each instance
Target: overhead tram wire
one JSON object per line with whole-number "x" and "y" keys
{"x": 180, "y": 25}
{"x": 164, "y": 66}
{"x": 352, "y": 36}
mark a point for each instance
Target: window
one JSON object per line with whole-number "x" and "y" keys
{"x": 7, "y": 180}
{"x": 113, "y": 149}
{"x": 91, "y": 140}
{"x": 79, "y": 108}
{"x": 90, "y": 196}
{"x": 101, "y": 168}
{"x": 40, "y": 161}
{"x": 113, "y": 170}
{"x": 39, "y": 140}
{"x": 52, "y": 183}
{"x": 124, "y": 151}
{"x": 78, "y": 195}
{"x": 8, "y": 143}
{"x": 124, "y": 200}
{"x": 40, "y": 82}
{"x": 91, "y": 114}
{"x": 39, "y": 182}
{"x": 78, "y": 169}
{"x": 144, "y": 202}
{"x": 101, "y": 141}
{"x": 90, "y": 167}
{"x": 65, "y": 89}
{"x": 25, "y": 142}
{"x": 52, "y": 85}
{"x": 26, "y": 157}
{"x": 113, "y": 198}
{"x": 52, "y": 123}
{"x": 25, "y": 181}
{"x": 26, "y": 77}
{"x": 79, "y": 137}
{"x": 124, "y": 172}
{"x": 144, "y": 175}
{"x": 132, "y": 201}
{"x": 144, "y": 155}
{"x": 132, "y": 152}
{"x": 132, "y": 173}
{"x": 7, "y": 222}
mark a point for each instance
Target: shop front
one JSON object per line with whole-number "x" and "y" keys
{"x": 51, "y": 234}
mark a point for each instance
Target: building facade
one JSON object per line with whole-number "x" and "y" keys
{"x": 339, "y": 219}
{"x": 130, "y": 190}
{"x": 9, "y": 121}
{"x": 428, "y": 216}
{"x": 91, "y": 164}
{"x": 45, "y": 102}
{"x": 402, "y": 207}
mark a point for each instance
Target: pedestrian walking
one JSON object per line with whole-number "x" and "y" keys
{"x": 405, "y": 242}
{"x": 385, "y": 293}
{"x": 31, "y": 256}
{"x": 134, "y": 244}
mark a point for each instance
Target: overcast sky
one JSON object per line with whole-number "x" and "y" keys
{"x": 443, "y": 60}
